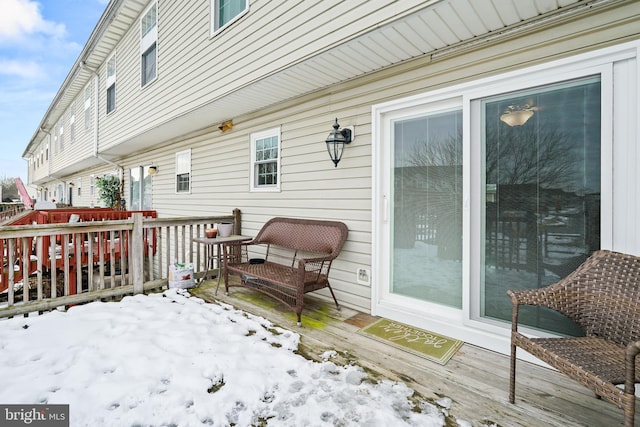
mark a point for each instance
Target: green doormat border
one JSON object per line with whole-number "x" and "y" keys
{"x": 427, "y": 344}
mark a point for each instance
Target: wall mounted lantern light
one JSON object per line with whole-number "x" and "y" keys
{"x": 517, "y": 115}
{"x": 153, "y": 170}
{"x": 336, "y": 140}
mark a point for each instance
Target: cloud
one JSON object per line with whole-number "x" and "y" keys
{"x": 22, "y": 18}
{"x": 23, "y": 69}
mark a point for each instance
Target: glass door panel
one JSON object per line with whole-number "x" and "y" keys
{"x": 541, "y": 193}
{"x": 134, "y": 189}
{"x": 140, "y": 188}
{"x": 426, "y": 188}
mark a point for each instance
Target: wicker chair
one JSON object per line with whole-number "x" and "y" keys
{"x": 603, "y": 297}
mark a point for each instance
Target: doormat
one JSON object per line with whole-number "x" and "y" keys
{"x": 429, "y": 345}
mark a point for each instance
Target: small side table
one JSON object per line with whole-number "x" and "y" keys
{"x": 213, "y": 252}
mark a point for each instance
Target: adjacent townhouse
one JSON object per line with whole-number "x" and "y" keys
{"x": 494, "y": 144}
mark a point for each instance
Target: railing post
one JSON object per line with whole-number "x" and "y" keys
{"x": 237, "y": 225}
{"x": 137, "y": 255}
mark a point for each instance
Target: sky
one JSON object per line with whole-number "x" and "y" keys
{"x": 39, "y": 42}
{"x": 172, "y": 359}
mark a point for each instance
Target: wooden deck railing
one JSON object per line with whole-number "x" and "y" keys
{"x": 9, "y": 211}
{"x": 118, "y": 257}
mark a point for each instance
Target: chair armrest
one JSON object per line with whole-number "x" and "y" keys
{"x": 319, "y": 266}
{"x": 530, "y": 296}
{"x": 630, "y": 369}
{"x": 540, "y": 297}
{"x": 319, "y": 260}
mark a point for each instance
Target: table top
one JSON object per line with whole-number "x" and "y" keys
{"x": 220, "y": 240}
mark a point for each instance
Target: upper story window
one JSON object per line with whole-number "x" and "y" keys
{"x": 111, "y": 83}
{"x": 223, "y": 12}
{"x": 265, "y": 160}
{"x": 87, "y": 108}
{"x": 148, "y": 44}
{"x": 183, "y": 171}
{"x": 72, "y": 123}
{"x": 61, "y": 135}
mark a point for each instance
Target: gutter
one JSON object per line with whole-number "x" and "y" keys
{"x": 107, "y": 17}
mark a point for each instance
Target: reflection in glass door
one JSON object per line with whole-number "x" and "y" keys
{"x": 542, "y": 192}
{"x": 426, "y": 188}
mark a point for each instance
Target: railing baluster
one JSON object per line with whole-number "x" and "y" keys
{"x": 39, "y": 246}
{"x": 10, "y": 263}
{"x": 26, "y": 261}
{"x": 53, "y": 257}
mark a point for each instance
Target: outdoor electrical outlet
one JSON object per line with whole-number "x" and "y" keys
{"x": 363, "y": 276}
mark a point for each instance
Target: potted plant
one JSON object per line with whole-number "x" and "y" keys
{"x": 109, "y": 192}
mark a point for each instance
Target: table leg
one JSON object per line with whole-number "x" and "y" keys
{"x": 207, "y": 262}
{"x": 219, "y": 258}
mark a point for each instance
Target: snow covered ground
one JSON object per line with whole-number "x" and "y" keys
{"x": 173, "y": 360}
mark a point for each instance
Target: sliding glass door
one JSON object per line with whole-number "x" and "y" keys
{"x": 140, "y": 187}
{"x": 426, "y": 197}
{"x": 541, "y": 195}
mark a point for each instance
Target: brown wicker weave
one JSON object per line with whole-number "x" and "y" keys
{"x": 296, "y": 256}
{"x": 603, "y": 297}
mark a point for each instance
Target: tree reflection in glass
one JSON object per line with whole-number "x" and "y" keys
{"x": 542, "y": 194}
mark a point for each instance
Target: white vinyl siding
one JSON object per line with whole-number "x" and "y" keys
{"x": 183, "y": 171}
{"x": 149, "y": 45}
{"x": 198, "y": 71}
{"x": 224, "y": 12}
{"x": 265, "y": 160}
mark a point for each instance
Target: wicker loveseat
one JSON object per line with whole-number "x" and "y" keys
{"x": 603, "y": 297}
{"x": 288, "y": 258}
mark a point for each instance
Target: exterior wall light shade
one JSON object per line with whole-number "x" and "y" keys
{"x": 226, "y": 125}
{"x": 153, "y": 170}
{"x": 336, "y": 140}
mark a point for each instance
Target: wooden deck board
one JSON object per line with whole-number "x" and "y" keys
{"x": 475, "y": 379}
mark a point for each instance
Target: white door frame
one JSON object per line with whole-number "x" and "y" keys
{"x": 614, "y": 63}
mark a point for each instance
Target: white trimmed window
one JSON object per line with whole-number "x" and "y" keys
{"x": 224, "y": 12}
{"x": 61, "y": 135}
{"x": 72, "y": 123}
{"x": 183, "y": 171}
{"x": 87, "y": 108}
{"x": 148, "y": 44}
{"x": 111, "y": 83}
{"x": 265, "y": 160}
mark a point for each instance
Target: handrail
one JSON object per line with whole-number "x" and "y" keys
{"x": 127, "y": 254}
